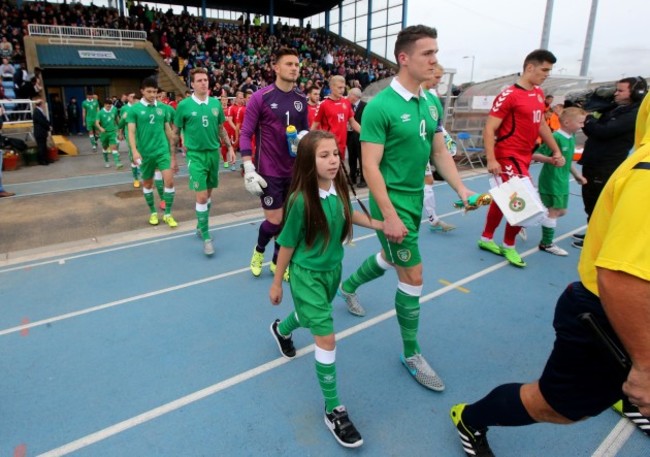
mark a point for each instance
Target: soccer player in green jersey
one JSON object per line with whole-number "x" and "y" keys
{"x": 89, "y": 111}
{"x": 553, "y": 183}
{"x": 106, "y": 125}
{"x": 403, "y": 117}
{"x": 319, "y": 218}
{"x": 132, "y": 98}
{"x": 162, "y": 99}
{"x": 200, "y": 118}
{"x": 150, "y": 138}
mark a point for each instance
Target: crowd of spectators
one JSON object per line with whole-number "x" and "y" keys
{"x": 237, "y": 55}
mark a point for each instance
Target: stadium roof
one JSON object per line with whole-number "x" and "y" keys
{"x": 297, "y": 9}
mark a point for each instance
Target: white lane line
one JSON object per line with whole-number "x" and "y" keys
{"x": 123, "y": 247}
{"x": 122, "y": 301}
{"x": 616, "y": 439}
{"x": 164, "y": 409}
{"x": 163, "y": 238}
{"x": 252, "y": 373}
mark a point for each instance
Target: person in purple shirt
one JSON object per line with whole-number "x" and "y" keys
{"x": 267, "y": 174}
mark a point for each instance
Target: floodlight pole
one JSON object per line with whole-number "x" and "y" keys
{"x": 546, "y": 28}
{"x": 584, "y": 66}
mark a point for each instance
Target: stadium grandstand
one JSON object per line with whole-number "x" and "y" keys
{"x": 62, "y": 50}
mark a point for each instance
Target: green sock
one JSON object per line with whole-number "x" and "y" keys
{"x": 93, "y": 141}
{"x": 136, "y": 173}
{"x": 116, "y": 157}
{"x": 202, "y": 224}
{"x": 289, "y": 324}
{"x": 368, "y": 271}
{"x": 148, "y": 197}
{"x": 408, "y": 317}
{"x": 168, "y": 197}
{"x": 548, "y": 233}
{"x": 105, "y": 154}
{"x": 160, "y": 187}
{"x": 327, "y": 379}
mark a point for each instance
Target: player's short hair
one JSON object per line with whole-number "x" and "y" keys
{"x": 108, "y": 101}
{"x": 571, "y": 113}
{"x": 149, "y": 82}
{"x": 538, "y": 57}
{"x": 312, "y": 88}
{"x": 197, "y": 70}
{"x": 408, "y": 36}
{"x": 284, "y": 51}
{"x": 337, "y": 79}
{"x": 438, "y": 67}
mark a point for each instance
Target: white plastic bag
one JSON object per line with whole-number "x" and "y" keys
{"x": 518, "y": 201}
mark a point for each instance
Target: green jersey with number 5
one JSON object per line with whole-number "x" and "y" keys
{"x": 200, "y": 121}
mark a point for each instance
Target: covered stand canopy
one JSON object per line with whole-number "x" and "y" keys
{"x": 298, "y": 9}
{"x": 473, "y": 104}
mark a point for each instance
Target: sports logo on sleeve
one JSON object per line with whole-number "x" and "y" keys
{"x": 500, "y": 99}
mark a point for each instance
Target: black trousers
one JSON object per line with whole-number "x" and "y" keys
{"x": 354, "y": 156}
{"x": 596, "y": 180}
{"x": 41, "y": 151}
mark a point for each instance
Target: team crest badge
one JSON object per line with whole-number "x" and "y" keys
{"x": 404, "y": 255}
{"x": 215, "y": 112}
{"x": 434, "y": 113}
{"x": 540, "y": 99}
{"x": 517, "y": 204}
{"x": 298, "y": 106}
{"x": 268, "y": 201}
{"x": 159, "y": 111}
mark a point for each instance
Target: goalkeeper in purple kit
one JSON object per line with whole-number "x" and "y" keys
{"x": 267, "y": 173}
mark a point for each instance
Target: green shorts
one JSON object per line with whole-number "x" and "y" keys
{"x": 555, "y": 201}
{"x": 90, "y": 125}
{"x": 409, "y": 210}
{"x": 108, "y": 139}
{"x": 152, "y": 162}
{"x": 313, "y": 293}
{"x": 203, "y": 168}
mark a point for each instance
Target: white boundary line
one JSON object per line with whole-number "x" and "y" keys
{"x": 616, "y": 439}
{"x": 154, "y": 293}
{"x": 121, "y": 302}
{"x": 181, "y": 402}
{"x": 151, "y": 238}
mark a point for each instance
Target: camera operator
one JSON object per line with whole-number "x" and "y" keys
{"x": 610, "y": 137}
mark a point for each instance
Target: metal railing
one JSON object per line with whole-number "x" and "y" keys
{"x": 17, "y": 118}
{"x": 63, "y": 34}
